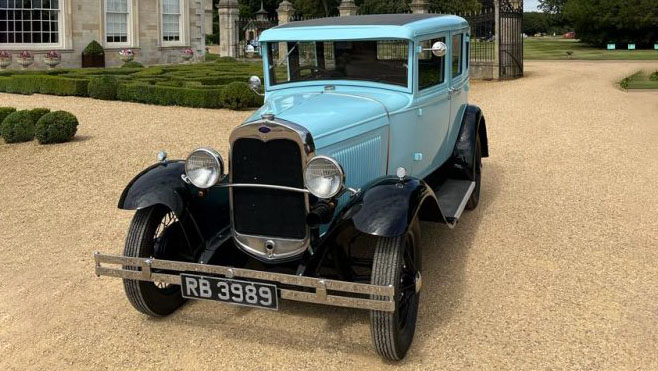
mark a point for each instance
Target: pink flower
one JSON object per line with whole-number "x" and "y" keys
{"x": 53, "y": 55}
{"x": 4, "y": 54}
{"x": 26, "y": 55}
{"x": 188, "y": 51}
{"x": 126, "y": 52}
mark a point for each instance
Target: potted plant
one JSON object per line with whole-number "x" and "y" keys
{"x": 93, "y": 55}
{"x": 25, "y": 59}
{"x": 187, "y": 54}
{"x": 52, "y": 59}
{"x": 126, "y": 55}
{"x": 5, "y": 59}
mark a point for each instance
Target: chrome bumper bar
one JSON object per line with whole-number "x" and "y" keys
{"x": 382, "y": 300}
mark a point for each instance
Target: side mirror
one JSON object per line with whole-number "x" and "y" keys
{"x": 439, "y": 49}
{"x": 250, "y": 51}
{"x": 255, "y": 84}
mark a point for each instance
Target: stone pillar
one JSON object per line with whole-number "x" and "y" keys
{"x": 419, "y": 6}
{"x": 229, "y": 14}
{"x": 210, "y": 15}
{"x": 285, "y": 11}
{"x": 347, "y": 8}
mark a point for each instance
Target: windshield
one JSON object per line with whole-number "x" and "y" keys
{"x": 383, "y": 61}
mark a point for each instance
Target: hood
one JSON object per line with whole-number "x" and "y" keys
{"x": 327, "y": 114}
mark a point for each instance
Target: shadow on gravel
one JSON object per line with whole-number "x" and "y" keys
{"x": 445, "y": 254}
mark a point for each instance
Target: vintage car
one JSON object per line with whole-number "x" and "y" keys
{"x": 365, "y": 131}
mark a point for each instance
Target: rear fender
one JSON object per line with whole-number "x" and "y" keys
{"x": 473, "y": 124}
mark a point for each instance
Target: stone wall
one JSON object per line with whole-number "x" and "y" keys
{"x": 83, "y": 22}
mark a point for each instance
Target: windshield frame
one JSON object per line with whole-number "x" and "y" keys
{"x": 363, "y": 83}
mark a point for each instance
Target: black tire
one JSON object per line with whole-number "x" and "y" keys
{"x": 473, "y": 201}
{"x": 396, "y": 262}
{"x": 149, "y": 236}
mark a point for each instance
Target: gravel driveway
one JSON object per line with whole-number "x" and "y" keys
{"x": 557, "y": 268}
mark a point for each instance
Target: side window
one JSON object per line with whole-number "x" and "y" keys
{"x": 431, "y": 69}
{"x": 467, "y": 52}
{"x": 456, "y": 54}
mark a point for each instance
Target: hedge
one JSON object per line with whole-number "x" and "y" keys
{"x": 6, "y": 111}
{"x": 104, "y": 87}
{"x": 18, "y": 127}
{"x": 37, "y": 113}
{"x": 169, "y": 95}
{"x": 56, "y": 127}
{"x": 44, "y": 84}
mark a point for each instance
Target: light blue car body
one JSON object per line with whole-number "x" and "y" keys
{"x": 371, "y": 128}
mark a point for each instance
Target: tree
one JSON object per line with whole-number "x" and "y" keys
{"x": 383, "y": 6}
{"x": 552, "y": 6}
{"x": 601, "y": 21}
{"x": 454, "y": 6}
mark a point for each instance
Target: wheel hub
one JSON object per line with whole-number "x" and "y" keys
{"x": 418, "y": 280}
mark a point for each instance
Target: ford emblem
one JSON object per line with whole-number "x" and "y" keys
{"x": 264, "y": 129}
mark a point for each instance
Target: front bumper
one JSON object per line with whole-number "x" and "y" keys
{"x": 329, "y": 292}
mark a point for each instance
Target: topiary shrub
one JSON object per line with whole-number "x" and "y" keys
{"x": 94, "y": 48}
{"x": 132, "y": 64}
{"x": 56, "y": 127}
{"x": 37, "y": 113}
{"x": 238, "y": 95}
{"x": 18, "y": 127}
{"x": 6, "y": 111}
{"x": 104, "y": 87}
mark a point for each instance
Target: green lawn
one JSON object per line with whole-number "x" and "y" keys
{"x": 641, "y": 80}
{"x": 557, "y": 48}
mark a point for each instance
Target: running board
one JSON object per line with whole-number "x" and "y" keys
{"x": 453, "y": 195}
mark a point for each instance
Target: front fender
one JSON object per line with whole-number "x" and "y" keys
{"x": 388, "y": 206}
{"x": 160, "y": 183}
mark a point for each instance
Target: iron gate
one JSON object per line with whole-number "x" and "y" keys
{"x": 510, "y": 29}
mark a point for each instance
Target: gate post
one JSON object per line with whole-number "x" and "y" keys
{"x": 284, "y": 12}
{"x": 228, "y": 23}
{"x": 347, "y": 8}
{"x": 496, "y": 66}
{"x": 419, "y": 6}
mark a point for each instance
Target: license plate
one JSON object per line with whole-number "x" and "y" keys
{"x": 252, "y": 294}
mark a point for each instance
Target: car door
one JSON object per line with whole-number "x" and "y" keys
{"x": 459, "y": 83}
{"x": 432, "y": 107}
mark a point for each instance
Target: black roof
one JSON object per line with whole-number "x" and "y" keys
{"x": 363, "y": 20}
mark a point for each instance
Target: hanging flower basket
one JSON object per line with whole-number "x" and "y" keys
{"x": 5, "y": 59}
{"x": 187, "y": 54}
{"x": 126, "y": 55}
{"x": 25, "y": 59}
{"x": 52, "y": 59}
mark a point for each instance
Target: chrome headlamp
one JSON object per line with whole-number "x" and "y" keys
{"x": 204, "y": 167}
{"x": 324, "y": 177}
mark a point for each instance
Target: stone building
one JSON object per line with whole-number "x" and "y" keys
{"x": 156, "y": 30}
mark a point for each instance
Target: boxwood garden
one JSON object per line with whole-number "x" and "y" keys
{"x": 47, "y": 127}
{"x": 217, "y": 84}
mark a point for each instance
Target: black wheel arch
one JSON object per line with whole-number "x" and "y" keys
{"x": 473, "y": 125}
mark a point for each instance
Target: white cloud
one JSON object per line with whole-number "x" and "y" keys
{"x": 530, "y": 5}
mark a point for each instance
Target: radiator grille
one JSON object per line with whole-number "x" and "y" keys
{"x": 268, "y": 212}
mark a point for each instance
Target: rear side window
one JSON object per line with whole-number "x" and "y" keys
{"x": 431, "y": 69}
{"x": 457, "y": 54}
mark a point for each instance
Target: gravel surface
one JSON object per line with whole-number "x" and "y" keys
{"x": 555, "y": 270}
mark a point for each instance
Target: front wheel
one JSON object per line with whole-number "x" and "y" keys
{"x": 154, "y": 232}
{"x": 397, "y": 262}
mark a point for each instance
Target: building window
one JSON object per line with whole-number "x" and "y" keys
{"x": 171, "y": 21}
{"x": 30, "y": 22}
{"x": 117, "y": 20}
{"x": 431, "y": 69}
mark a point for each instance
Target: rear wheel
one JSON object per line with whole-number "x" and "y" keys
{"x": 397, "y": 262}
{"x": 154, "y": 232}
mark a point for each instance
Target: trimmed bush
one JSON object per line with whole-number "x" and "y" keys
{"x": 56, "y": 127}
{"x": 132, "y": 64}
{"x": 44, "y": 84}
{"x": 6, "y": 111}
{"x": 104, "y": 87}
{"x": 37, "y": 113}
{"x": 18, "y": 127}
{"x": 226, "y": 60}
{"x": 238, "y": 95}
{"x": 169, "y": 96}
{"x": 94, "y": 48}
